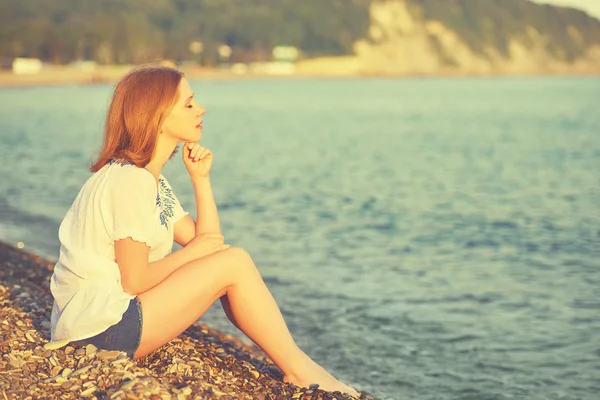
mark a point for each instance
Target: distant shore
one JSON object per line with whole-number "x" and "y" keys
{"x": 59, "y": 75}
{"x": 64, "y": 75}
{"x": 334, "y": 67}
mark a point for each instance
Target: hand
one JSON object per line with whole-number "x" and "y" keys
{"x": 206, "y": 244}
{"x": 197, "y": 160}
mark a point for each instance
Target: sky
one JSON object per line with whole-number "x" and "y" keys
{"x": 592, "y": 7}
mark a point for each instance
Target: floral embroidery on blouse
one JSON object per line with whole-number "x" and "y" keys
{"x": 165, "y": 200}
{"x": 119, "y": 162}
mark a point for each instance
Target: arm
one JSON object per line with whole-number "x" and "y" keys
{"x": 206, "y": 209}
{"x": 138, "y": 275}
{"x": 184, "y": 230}
{"x": 198, "y": 161}
{"x": 130, "y": 218}
{"x": 208, "y": 218}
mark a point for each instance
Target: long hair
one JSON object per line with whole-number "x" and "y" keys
{"x": 140, "y": 103}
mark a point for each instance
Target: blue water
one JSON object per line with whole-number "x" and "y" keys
{"x": 425, "y": 238}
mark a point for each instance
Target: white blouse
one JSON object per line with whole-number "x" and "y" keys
{"x": 118, "y": 201}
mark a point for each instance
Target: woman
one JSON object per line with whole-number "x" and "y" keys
{"x": 117, "y": 284}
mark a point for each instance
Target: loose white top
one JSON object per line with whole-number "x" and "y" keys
{"x": 118, "y": 201}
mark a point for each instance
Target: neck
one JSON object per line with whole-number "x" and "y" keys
{"x": 163, "y": 151}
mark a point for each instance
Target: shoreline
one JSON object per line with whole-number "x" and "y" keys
{"x": 61, "y": 76}
{"x": 200, "y": 363}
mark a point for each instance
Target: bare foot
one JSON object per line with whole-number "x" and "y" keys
{"x": 314, "y": 373}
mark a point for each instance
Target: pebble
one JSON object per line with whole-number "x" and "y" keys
{"x": 200, "y": 363}
{"x": 88, "y": 392}
{"x": 90, "y": 349}
{"x": 108, "y": 355}
{"x": 56, "y": 344}
{"x": 55, "y": 371}
{"x": 66, "y": 385}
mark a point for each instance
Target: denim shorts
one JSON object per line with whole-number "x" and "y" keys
{"x": 124, "y": 336}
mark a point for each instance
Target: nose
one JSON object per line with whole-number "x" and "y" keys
{"x": 201, "y": 111}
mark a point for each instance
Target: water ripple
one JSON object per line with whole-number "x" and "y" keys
{"x": 425, "y": 239}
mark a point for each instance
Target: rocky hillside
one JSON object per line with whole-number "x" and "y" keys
{"x": 354, "y": 36}
{"x": 422, "y": 37}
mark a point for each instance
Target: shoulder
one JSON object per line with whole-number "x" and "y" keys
{"x": 165, "y": 191}
{"x": 127, "y": 177}
{"x": 163, "y": 182}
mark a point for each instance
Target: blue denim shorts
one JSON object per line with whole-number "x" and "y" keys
{"x": 124, "y": 336}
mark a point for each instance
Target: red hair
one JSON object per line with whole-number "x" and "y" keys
{"x": 140, "y": 103}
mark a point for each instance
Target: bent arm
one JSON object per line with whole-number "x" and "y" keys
{"x": 139, "y": 275}
{"x": 184, "y": 230}
{"x": 206, "y": 213}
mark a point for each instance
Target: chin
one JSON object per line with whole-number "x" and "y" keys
{"x": 195, "y": 137}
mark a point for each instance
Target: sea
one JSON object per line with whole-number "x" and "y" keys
{"x": 425, "y": 238}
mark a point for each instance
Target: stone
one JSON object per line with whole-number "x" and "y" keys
{"x": 30, "y": 337}
{"x": 204, "y": 363}
{"x": 66, "y": 385}
{"x": 55, "y": 371}
{"x": 88, "y": 392}
{"x": 107, "y": 355}
{"x": 90, "y": 349}
{"x": 56, "y": 344}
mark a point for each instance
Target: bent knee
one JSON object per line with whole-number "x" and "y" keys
{"x": 240, "y": 260}
{"x": 239, "y": 253}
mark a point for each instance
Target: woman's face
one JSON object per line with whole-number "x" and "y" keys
{"x": 184, "y": 122}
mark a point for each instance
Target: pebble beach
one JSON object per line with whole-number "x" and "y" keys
{"x": 201, "y": 363}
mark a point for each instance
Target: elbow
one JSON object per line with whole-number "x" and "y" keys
{"x": 206, "y": 244}
{"x": 132, "y": 286}
{"x": 211, "y": 239}
{"x": 212, "y": 236}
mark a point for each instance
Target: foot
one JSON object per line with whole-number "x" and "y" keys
{"x": 314, "y": 373}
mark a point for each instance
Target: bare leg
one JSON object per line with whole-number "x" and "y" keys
{"x": 176, "y": 303}
{"x": 227, "y": 308}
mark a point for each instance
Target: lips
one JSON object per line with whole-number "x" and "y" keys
{"x": 199, "y": 125}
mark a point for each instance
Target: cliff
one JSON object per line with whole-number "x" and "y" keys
{"x": 351, "y": 37}
{"x": 425, "y": 37}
